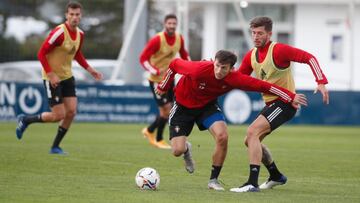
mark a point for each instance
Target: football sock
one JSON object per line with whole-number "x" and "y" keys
{"x": 60, "y": 135}
{"x": 154, "y": 125}
{"x": 254, "y": 175}
{"x": 33, "y": 119}
{"x": 215, "y": 171}
{"x": 273, "y": 171}
{"x": 161, "y": 125}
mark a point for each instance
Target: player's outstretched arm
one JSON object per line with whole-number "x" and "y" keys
{"x": 325, "y": 93}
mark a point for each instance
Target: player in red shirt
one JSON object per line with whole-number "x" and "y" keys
{"x": 196, "y": 93}
{"x": 155, "y": 59}
{"x": 56, "y": 54}
{"x": 271, "y": 62}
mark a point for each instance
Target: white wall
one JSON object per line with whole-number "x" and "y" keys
{"x": 314, "y": 27}
{"x": 214, "y": 29}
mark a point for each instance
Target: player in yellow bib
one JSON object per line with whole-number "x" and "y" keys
{"x": 155, "y": 59}
{"x": 56, "y": 54}
{"x": 271, "y": 62}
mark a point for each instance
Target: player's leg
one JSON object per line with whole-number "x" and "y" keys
{"x": 252, "y": 140}
{"x": 163, "y": 119}
{"x": 212, "y": 119}
{"x": 277, "y": 114}
{"x": 181, "y": 122}
{"x": 70, "y": 106}
{"x": 149, "y": 131}
{"x": 276, "y": 177}
{"x": 219, "y": 131}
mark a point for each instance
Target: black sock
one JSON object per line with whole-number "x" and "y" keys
{"x": 60, "y": 135}
{"x": 161, "y": 125}
{"x": 273, "y": 171}
{"x": 254, "y": 175}
{"x": 154, "y": 125}
{"x": 33, "y": 119}
{"x": 215, "y": 171}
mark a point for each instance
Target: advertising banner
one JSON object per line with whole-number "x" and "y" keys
{"x": 135, "y": 104}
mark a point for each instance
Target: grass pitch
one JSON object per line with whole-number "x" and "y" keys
{"x": 322, "y": 165}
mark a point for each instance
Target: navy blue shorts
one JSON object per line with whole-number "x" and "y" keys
{"x": 278, "y": 113}
{"x": 66, "y": 88}
{"x": 182, "y": 119}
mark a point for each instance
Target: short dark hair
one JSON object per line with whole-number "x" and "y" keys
{"x": 262, "y": 21}
{"x": 226, "y": 57}
{"x": 73, "y": 5}
{"x": 170, "y": 16}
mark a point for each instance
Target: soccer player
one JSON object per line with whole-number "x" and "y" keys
{"x": 62, "y": 45}
{"x": 196, "y": 102}
{"x": 271, "y": 62}
{"x": 155, "y": 58}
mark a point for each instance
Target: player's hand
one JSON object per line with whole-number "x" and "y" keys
{"x": 54, "y": 79}
{"x": 96, "y": 75}
{"x": 299, "y": 99}
{"x": 324, "y": 92}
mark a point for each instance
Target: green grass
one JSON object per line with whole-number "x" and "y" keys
{"x": 322, "y": 165}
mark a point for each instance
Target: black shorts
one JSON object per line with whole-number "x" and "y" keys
{"x": 163, "y": 99}
{"x": 182, "y": 119}
{"x": 278, "y": 113}
{"x": 55, "y": 96}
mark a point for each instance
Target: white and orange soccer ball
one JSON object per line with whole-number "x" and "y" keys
{"x": 147, "y": 179}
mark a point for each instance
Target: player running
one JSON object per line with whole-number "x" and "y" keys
{"x": 196, "y": 102}
{"x": 155, "y": 58}
{"x": 62, "y": 45}
{"x": 271, "y": 62}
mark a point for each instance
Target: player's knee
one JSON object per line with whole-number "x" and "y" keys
{"x": 177, "y": 152}
{"x": 70, "y": 113}
{"x": 222, "y": 139}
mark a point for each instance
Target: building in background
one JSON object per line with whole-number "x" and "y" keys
{"x": 325, "y": 28}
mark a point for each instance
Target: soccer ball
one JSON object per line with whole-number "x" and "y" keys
{"x": 147, "y": 179}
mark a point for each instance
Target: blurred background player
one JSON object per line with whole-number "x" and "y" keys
{"x": 62, "y": 45}
{"x": 155, "y": 58}
{"x": 271, "y": 62}
{"x": 196, "y": 93}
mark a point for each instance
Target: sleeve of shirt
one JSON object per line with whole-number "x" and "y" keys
{"x": 177, "y": 65}
{"x": 183, "y": 53}
{"x": 245, "y": 67}
{"x": 79, "y": 57}
{"x": 283, "y": 54}
{"x": 248, "y": 83}
{"x": 55, "y": 38}
{"x": 150, "y": 49}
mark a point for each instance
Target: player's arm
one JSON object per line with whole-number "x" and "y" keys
{"x": 247, "y": 83}
{"x": 55, "y": 38}
{"x": 245, "y": 67}
{"x": 150, "y": 49}
{"x": 79, "y": 57}
{"x": 183, "y": 53}
{"x": 284, "y": 54}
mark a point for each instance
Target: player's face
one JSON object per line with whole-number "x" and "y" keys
{"x": 170, "y": 26}
{"x": 73, "y": 16}
{"x": 221, "y": 70}
{"x": 260, "y": 36}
